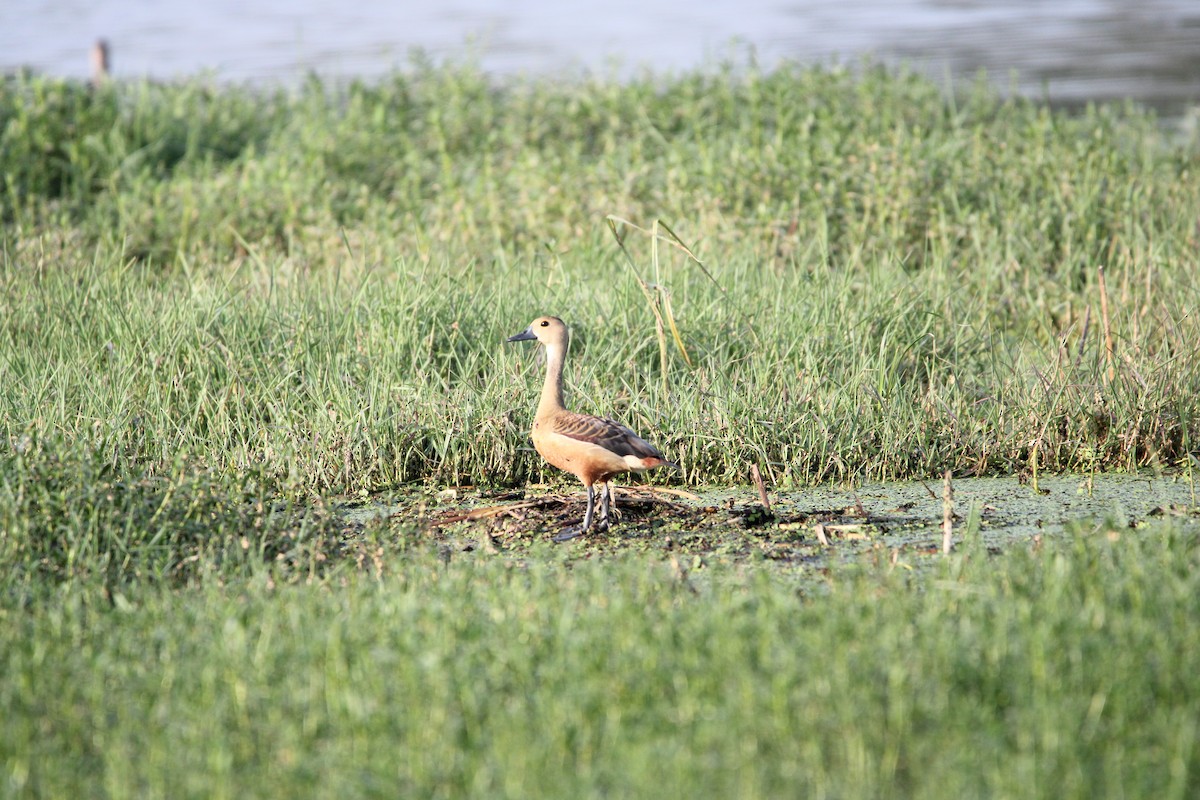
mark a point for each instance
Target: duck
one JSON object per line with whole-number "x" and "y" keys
{"x": 593, "y": 449}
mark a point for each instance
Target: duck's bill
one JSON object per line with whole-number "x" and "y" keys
{"x": 524, "y": 335}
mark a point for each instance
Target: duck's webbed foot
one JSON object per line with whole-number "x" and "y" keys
{"x": 568, "y": 534}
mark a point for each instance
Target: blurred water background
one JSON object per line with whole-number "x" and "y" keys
{"x": 1066, "y": 51}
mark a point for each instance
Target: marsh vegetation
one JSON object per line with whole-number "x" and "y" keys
{"x": 230, "y": 318}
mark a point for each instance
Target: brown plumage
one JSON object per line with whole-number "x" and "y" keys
{"x": 594, "y": 449}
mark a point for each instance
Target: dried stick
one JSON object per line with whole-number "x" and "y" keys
{"x": 947, "y": 514}
{"x": 1108, "y": 342}
{"x": 762, "y": 489}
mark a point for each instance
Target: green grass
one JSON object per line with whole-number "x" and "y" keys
{"x": 222, "y": 309}
{"x": 1065, "y": 672}
{"x": 316, "y": 286}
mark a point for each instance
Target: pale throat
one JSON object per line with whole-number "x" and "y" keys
{"x": 552, "y": 392}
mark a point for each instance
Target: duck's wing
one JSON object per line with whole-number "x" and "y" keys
{"x": 607, "y": 433}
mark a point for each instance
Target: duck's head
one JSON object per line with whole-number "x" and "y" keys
{"x": 547, "y": 330}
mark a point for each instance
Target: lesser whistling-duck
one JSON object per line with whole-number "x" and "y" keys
{"x": 593, "y": 448}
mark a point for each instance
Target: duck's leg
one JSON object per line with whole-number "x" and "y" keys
{"x": 571, "y": 533}
{"x": 606, "y": 504}
{"x": 591, "y": 510}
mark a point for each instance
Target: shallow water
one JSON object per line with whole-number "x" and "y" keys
{"x": 1004, "y": 510}
{"x": 728, "y": 524}
{"x": 1068, "y": 51}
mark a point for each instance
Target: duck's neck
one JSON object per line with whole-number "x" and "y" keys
{"x": 552, "y": 391}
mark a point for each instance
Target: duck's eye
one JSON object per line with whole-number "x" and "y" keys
{"x": 545, "y": 323}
